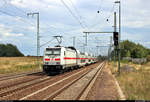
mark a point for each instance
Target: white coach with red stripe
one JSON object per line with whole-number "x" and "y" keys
{"x": 60, "y": 58}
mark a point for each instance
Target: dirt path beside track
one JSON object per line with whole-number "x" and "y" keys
{"x": 104, "y": 88}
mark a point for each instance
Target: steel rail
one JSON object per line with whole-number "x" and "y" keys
{"x": 2, "y": 78}
{"x": 84, "y": 92}
{"x": 56, "y": 93}
{"x": 18, "y": 83}
{"x": 51, "y": 85}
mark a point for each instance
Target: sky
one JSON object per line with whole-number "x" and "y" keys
{"x": 69, "y": 18}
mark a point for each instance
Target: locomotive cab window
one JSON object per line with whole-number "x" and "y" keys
{"x": 49, "y": 52}
{"x": 56, "y": 51}
{"x": 52, "y": 52}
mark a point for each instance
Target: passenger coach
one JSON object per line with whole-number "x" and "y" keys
{"x": 59, "y": 59}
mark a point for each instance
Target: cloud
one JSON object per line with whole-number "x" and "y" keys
{"x": 38, "y": 3}
{"x": 135, "y": 13}
{"x": 2, "y": 3}
{"x": 137, "y": 24}
{"x": 19, "y": 3}
{"x": 7, "y": 32}
{"x": 131, "y": 36}
{"x": 13, "y": 34}
{"x": 130, "y": 17}
{"x": 55, "y": 19}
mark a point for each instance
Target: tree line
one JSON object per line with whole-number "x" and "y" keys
{"x": 9, "y": 50}
{"x": 133, "y": 50}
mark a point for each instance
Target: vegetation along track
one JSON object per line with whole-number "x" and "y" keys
{"x": 33, "y": 87}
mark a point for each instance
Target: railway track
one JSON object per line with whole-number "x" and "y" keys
{"x": 60, "y": 86}
{"x": 28, "y": 86}
{"x": 83, "y": 91}
{"x": 51, "y": 86}
{"x": 20, "y": 82}
{"x": 7, "y": 77}
{"x": 13, "y": 89}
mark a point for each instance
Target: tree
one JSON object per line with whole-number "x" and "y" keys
{"x": 128, "y": 54}
{"x": 9, "y": 50}
{"x": 138, "y": 52}
{"x": 131, "y": 49}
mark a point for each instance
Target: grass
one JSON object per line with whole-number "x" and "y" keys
{"x": 124, "y": 61}
{"x": 17, "y": 64}
{"x": 135, "y": 85}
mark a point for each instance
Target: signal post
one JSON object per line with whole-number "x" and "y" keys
{"x": 115, "y": 38}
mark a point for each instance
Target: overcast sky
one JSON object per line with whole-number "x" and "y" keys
{"x": 70, "y": 18}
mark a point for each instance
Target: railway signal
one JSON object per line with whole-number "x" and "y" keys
{"x": 115, "y": 37}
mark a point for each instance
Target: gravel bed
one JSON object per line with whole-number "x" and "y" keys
{"x": 16, "y": 88}
{"x": 19, "y": 80}
{"x": 18, "y": 95}
{"x": 29, "y": 90}
{"x": 34, "y": 88}
{"x": 54, "y": 88}
{"x": 75, "y": 89}
{"x": 10, "y": 75}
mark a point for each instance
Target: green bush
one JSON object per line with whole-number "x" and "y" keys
{"x": 133, "y": 50}
{"x": 9, "y": 50}
{"x": 124, "y": 61}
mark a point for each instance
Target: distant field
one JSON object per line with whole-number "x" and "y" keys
{"x": 135, "y": 85}
{"x": 17, "y": 64}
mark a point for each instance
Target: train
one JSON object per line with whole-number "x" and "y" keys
{"x": 59, "y": 59}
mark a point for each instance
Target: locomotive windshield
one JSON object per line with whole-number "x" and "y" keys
{"x": 50, "y": 51}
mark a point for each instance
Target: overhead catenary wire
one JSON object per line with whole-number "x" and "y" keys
{"x": 6, "y": 13}
{"x": 9, "y": 14}
{"x": 111, "y": 11}
{"x": 73, "y": 14}
{"x": 20, "y": 18}
{"x": 99, "y": 8}
{"x": 81, "y": 42}
{"x": 30, "y": 22}
{"x": 105, "y": 18}
{"x": 18, "y": 9}
{"x": 78, "y": 13}
{"x": 46, "y": 43}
